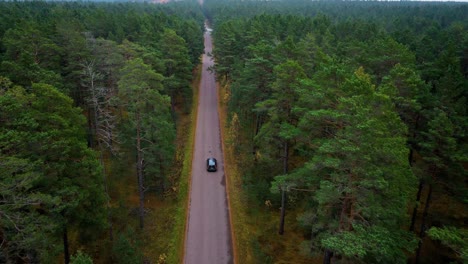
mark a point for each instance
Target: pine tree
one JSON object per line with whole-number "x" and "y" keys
{"x": 62, "y": 176}
{"x": 360, "y": 177}
{"x": 178, "y": 68}
{"x": 147, "y": 124}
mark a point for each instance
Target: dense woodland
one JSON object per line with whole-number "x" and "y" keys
{"x": 352, "y": 118}
{"x": 90, "y": 95}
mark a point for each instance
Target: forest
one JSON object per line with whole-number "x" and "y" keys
{"x": 352, "y": 120}
{"x": 91, "y": 96}
{"x": 346, "y": 123}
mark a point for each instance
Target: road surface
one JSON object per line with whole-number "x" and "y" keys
{"x": 208, "y": 237}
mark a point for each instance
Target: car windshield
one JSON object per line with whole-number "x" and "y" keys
{"x": 211, "y": 162}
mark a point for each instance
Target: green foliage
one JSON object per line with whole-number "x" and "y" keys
{"x": 192, "y": 32}
{"x": 454, "y": 238}
{"x": 359, "y": 175}
{"x": 348, "y": 132}
{"x": 371, "y": 244}
{"x": 125, "y": 249}
{"x": 178, "y": 68}
{"x": 81, "y": 49}
{"x": 23, "y": 225}
{"x": 348, "y": 124}
{"x": 81, "y": 258}
{"x": 280, "y": 129}
{"x": 61, "y": 180}
{"x": 30, "y": 56}
{"x": 148, "y": 110}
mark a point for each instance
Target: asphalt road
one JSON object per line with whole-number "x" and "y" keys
{"x": 208, "y": 237}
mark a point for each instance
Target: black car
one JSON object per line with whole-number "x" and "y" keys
{"x": 211, "y": 165}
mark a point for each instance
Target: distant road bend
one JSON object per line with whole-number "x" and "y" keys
{"x": 208, "y": 237}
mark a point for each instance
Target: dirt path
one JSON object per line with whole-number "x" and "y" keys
{"x": 208, "y": 238}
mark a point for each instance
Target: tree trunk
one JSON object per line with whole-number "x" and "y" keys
{"x": 415, "y": 210}
{"x": 422, "y": 231}
{"x": 410, "y": 157}
{"x": 286, "y": 157}
{"x": 106, "y": 188}
{"x": 66, "y": 252}
{"x": 173, "y": 112}
{"x": 258, "y": 123}
{"x": 140, "y": 173}
{"x": 327, "y": 257}
{"x": 90, "y": 133}
{"x": 283, "y": 191}
{"x": 413, "y": 137}
{"x": 101, "y": 158}
{"x": 283, "y": 210}
{"x": 92, "y": 128}
{"x": 161, "y": 171}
